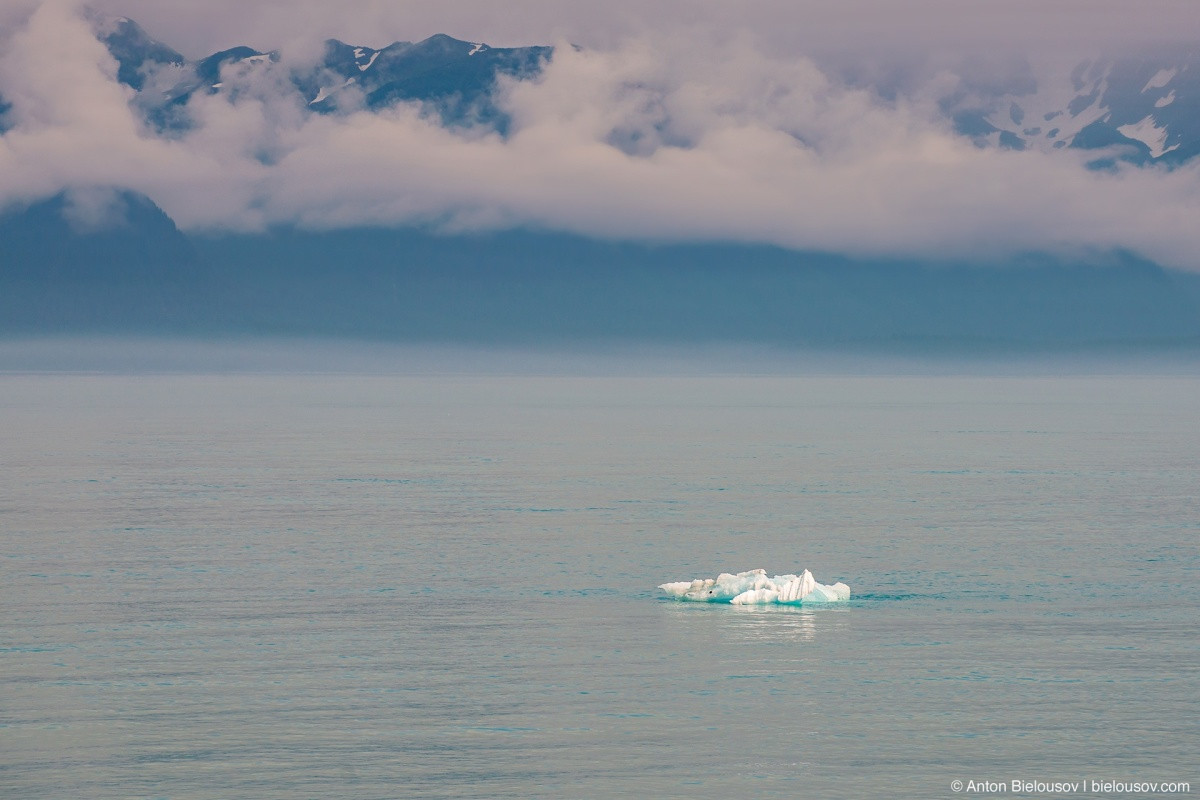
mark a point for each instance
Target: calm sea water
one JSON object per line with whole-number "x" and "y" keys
{"x": 265, "y": 586}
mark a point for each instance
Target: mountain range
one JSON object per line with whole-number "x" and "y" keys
{"x": 521, "y": 287}
{"x": 143, "y": 275}
{"x": 1146, "y": 105}
{"x": 452, "y": 76}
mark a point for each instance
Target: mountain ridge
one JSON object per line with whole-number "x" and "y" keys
{"x": 452, "y": 76}
{"x": 144, "y": 277}
{"x": 1145, "y": 108}
{"x": 108, "y": 259}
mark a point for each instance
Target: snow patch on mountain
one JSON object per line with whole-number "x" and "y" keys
{"x": 1099, "y": 103}
{"x": 328, "y": 91}
{"x": 1062, "y": 109}
{"x": 1149, "y": 133}
{"x": 1160, "y": 79}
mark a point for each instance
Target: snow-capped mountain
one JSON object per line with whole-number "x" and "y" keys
{"x": 100, "y": 256}
{"x": 1147, "y": 108}
{"x": 1142, "y": 110}
{"x": 436, "y": 68}
{"x": 137, "y": 54}
{"x": 454, "y": 76}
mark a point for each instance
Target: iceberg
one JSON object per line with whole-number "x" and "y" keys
{"x": 756, "y": 588}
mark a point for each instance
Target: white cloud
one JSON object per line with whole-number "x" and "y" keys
{"x": 667, "y": 137}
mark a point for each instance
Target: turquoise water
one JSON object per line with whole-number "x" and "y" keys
{"x": 270, "y": 586}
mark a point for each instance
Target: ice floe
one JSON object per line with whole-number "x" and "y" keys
{"x": 757, "y": 588}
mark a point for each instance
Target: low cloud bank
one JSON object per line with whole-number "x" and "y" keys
{"x": 660, "y": 138}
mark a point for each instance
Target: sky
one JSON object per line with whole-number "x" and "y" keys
{"x": 785, "y": 25}
{"x": 746, "y": 131}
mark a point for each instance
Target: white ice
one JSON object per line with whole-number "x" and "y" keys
{"x": 477, "y": 48}
{"x": 363, "y": 67}
{"x": 756, "y": 588}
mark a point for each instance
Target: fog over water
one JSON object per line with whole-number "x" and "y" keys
{"x": 341, "y": 356}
